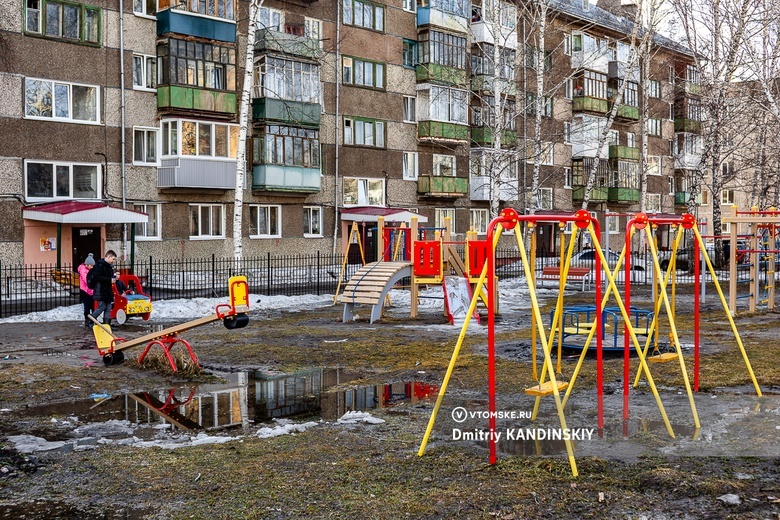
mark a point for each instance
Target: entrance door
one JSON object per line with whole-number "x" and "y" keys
{"x": 86, "y": 240}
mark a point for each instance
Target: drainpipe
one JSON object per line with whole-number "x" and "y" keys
{"x": 336, "y": 125}
{"x": 122, "y": 112}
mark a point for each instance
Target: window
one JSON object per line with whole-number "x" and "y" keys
{"x": 654, "y": 89}
{"x": 672, "y": 148}
{"x": 613, "y": 138}
{"x": 482, "y": 62}
{"x": 631, "y": 139}
{"x": 65, "y": 21}
{"x": 653, "y": 165}
{"x": 145, "y": 7}
{"x": 442, "y": 49}
{"x": 46, "y": 99}
{"x": 410, "y": 5}
{"x": 594, "y": 84}
{"x": 567, "y": 44}
{"x": 484, "y": 115}
{"x": 364, "y": 192}
{"x": 545, "y": 196}
{"x": 199, "y": 138}
{"x": 532, "y": 57}
{"x": 631, "y": 94}
{"x": 410, "y": 109}
{"x": 613, "y": 224}
{"x": 312, "y": 29}
{"x": 363, "y": 73}
{"x": 271, "y": 19}
{"x": 145, "y": 145}
{"x": 705, "y": 198}
{"x": 654, "y": 127}
{"x": 670, "y": 180}
{"x": 694, "y": 110}
{"x": 440, "y": 214}
{"x": 672, "y": 75}
{"x": 196, "y": 64}
{"x": 653, "y": 203}
{"x": 282, "y": 78}
{"x": 364, "y": 14}
{"x": 410, "y": 166}
{"x": 444, "y": 165}
{"x": 479, "y": 221}
{"x": 546, "y": 154}
{"x": 671, "y": 111}
{"x": 567, "y": 178}
{"x": 692, "y": 74}
{"x": 144, "y": 72}
{"x": 265, "y": 221}
{"x": 287, "y": 146}
{"x": 410, "y": 53}
{"x": 56, "y": 180}
{"x": 727, "y": 197}
{"x": 568, "y": 88}
{"x": 448, "y": 104}
{"x": 725, "y": 228}
{"x": 567, "y": 132}
{"x": 207, "y": 221}
{"x": 364, "y": 132}
{"x": 312, "y": 221}
{"x": 530, "y": 104}
{"x": 149, "y": 230}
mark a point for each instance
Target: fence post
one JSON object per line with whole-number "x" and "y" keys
{"x": 1, "y": 289}
{"x": 213, "y": 274}
{"x": 318, "y": 272}
{"x": 149, "y": 278}
{"x": 268, "y": 275}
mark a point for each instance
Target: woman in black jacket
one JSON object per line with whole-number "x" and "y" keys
{"x": 103, "y": 274}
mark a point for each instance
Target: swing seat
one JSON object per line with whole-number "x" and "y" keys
{"x": 546, "y": 388}
{"x": 662, "y": 358}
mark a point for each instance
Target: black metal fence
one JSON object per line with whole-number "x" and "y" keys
{"x": 31, "y": 288}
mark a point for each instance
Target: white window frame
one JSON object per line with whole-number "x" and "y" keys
{"x": 671, "y": 111}
{"x": 309, "y": 214}
{"x": 654, "y": 89}
{"x": 631, "y": 139}
{"x": 567, "y": 178}
{"x": 362, "y": 197}
{"x": 410, "y": 166}
{"x": 613, "y": 224}
{"x": 656, "y": 159}
{"x": 567, "y": 132}
{"x": 410, "y": 109}
{"x": 670, "y": 181}
{"x": 142, "y": 13}
{"x": 547, "y": 155}
{"x": 156, "y": 136}
{"x": 70, "y": 165}
{"x": 309, "y": 25}
{"x": 351, "y": 135}
{"x": 653, "y": 207}
{"x": 654, "y": 127}
{"x": 155, "y": 217}
{"x": 211, "y": 235}
{"x": 439, "y": 214}
{"x": 271, "y": 13}
{"x": 545, "y": 198}
{"x": 613, "y": 138}
{"x": 727, "y": 196}
{"x": 725, "y": 228}
{"x": 479, "y": 220}
{"x": 267, "y": 208}
{"x": 410, "y": 6}
{"x": 568, "y": 88}
{"x": 567, "y": 44}
{"x": 439, "y": 160}
{"x": 231, "y": 133}
{"x": 146, "y": 73}
{"x": 69, "y": 118}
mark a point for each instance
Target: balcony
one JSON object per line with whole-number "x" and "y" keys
{"x": 433, "y": 72}
{"x": 197, "y": 172}
{"x": 622, "y": 195}
{"x": 626, "y": 113}
{"x": 295, "y": 113}
{"x": 687, "y": 161}
{"x": 619, "y": 70}
{"x": 687, "y": 88}
{"x": 591, "y": 60}
{"x": 445, "y": 187}
{"x": 291, "y": 179}
{"x": 481, "y": 32}
{"x": 441, "y": 130}
{"x": 598, "y": 194}
{"x": 433, "y": 15}
{"x": 624, "y": 152}
{"x": 581, "y": 148}
{"x": 589, "y": 104}
{"x": 681, "y": 198}
{"x": 483, "y": 135}
{"x": 191, "y": 98}
{"x": 485, "y": 83}
{"x": 269, "y": 40}
{"x": 194, "y": 24}
{"x": 479, "y": 189}
{"x": 687, "y": 125}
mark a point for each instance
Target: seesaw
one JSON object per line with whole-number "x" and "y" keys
{"x": 233, "y": 315}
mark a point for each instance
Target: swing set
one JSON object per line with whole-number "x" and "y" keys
{"x": 550, "y": 381}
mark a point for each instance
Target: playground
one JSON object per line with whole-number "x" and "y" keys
{"x": 630, "y": 468}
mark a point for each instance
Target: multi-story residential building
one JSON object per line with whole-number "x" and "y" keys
{"x": 359, "y": 109}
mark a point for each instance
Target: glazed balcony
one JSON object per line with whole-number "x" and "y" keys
{"x": 444, "y": 187}
{"x": 482, "y": 32}
{"x": 681, "y": 198}
{"x": 198, "y": 99}
{"x": 436, "y": 16}
{"x": 290, "y": 179}
{"x": 619, "y": 70}
{"x": 290, "y": 44}
{"x": 296, "y": 113}
{"x": 197, "y": 172}
{"x": 485, "y": 83}
{"x": 179, "y": 21}
{"x": 479, "y": 189}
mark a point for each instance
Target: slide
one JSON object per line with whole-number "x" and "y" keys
{"x": 457, "y": 298}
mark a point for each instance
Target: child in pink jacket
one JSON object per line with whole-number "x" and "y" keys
{"x": 85, "y": 293}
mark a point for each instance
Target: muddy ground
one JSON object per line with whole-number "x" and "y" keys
{"x": 629, "y": 468}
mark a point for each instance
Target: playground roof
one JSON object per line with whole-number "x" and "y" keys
{"x": 372, "y": 214}
{"x": 80, "y": 212}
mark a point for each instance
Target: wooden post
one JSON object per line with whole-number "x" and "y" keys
{"x": 380, "y": 239}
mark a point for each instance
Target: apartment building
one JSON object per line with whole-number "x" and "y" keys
{"x": 122, "y": 127}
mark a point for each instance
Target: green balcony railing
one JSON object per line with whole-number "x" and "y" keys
{"x": 435, "y": 186}
{"x": 270, "y": 40}
{"x": 623, "y": 195}
{"x": 687, "y": 125}
{"x": 597, "y": 194}
{"x": 624, "y": 152}
{"x": 626, "y": 112}
{"x": 283, "y": 111}
{"x": 433, "y": 72}
{"x": 484, "y": 136}
{"x": 681, "y": 198}
{"x": 442, "y": 130}
{"x": 190, "y": 98}
{"x": 589, "y": 104}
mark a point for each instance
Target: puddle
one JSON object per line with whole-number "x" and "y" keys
{"x": 213, "y": 412}
{"x": 61, "y": 511}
